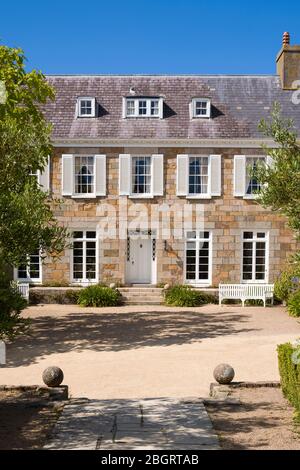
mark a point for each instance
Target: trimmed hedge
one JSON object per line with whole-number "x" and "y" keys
{"x": 99, "y": 296}
{"x": 184, "y": 296}
{"x": 11, "y": 305}
{"x": 290, "y": 374}
{"x": 293, "y": 304}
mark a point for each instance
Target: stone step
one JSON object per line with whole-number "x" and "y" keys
{"x": 140, "y": 289}
{"x": 141, "y": 294}
{"x": 142, "y": 298}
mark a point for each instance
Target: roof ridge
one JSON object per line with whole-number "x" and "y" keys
{"x": 164, "y": 75}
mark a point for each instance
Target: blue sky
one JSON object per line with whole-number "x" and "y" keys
{"x": 150, "y": 36}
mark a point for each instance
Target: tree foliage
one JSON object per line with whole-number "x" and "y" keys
{"x": 280, "y": 192}
{"x": 11, "y": 306}
{"x": 280, "y": 179}
{"x": 27, "y": 222}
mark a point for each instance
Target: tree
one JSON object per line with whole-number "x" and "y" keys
{"x": 280, "y": 189}
{"x": 280, "y": 179}
{"x": 27, "y": 221}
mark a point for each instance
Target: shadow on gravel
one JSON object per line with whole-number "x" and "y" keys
{"x": 113, "y": 332}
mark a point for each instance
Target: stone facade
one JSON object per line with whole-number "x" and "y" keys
{"x": 236, "y": 103}
{"x": 226, "y": 217}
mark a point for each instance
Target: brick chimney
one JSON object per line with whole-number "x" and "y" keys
{"x": 288, "y": 63}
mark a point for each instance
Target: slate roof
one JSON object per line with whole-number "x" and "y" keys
{"x": 238, "y": 103}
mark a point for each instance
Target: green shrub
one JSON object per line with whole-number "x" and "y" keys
{"x": 11, "y": 305}
{"x": 293, "y": 304}
{"x": 290, "y": 374}
{"x": 208, "y": 298}
{"x": 72, "y": 296}
{"x": 184, "y": 296}
{"x": 284, "y": 285}
{"x": 99, "y": 296}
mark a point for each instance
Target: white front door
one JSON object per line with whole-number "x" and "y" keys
{"x": 139, "y": 261}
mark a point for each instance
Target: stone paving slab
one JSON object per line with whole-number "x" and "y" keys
{"x": 157, "y": 424}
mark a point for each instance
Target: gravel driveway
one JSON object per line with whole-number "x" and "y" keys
{"x": 140, "y": 352}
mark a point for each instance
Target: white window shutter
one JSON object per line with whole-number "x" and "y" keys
{"x": 239, "y": 175}
{"x": 182, "y": 175}
{"x": 67, "y": 175}
{"x": 270, "y": 161}
{"x": 158, "y": 175}
{"x": 100, "y": 175}
{"x": 215, "y": 175}
{"x": 161, "y": 108}
{"x": 124, "y": 174}
{"x": 44, "y": 176}
{"x": 124, "y": 102}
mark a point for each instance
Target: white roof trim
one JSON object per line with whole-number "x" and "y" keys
{"x": 222, "y": 143}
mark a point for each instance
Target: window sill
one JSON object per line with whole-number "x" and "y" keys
{"x": 143, "y": 116}
{"x": 199, "y": 286}
{"x": 78, "y": 283}
{"x": 202, "y": 284}
{"x": 250, "y": 197}
{"x": 198, "y": 196}
{"x": 200, "y": 117}
{"x": 141, "y": 196}
{"x": 84, "y": 196}
{"x": 86, "y": 117}
{"x": 254, "y": 282}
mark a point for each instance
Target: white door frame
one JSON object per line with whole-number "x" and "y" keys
{"x": 141, "y": 235}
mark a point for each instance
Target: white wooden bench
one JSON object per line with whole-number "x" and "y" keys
{"x": 2, "y": 353}
{"x": 23, "y": 288}
{"x": 245, "y": 292}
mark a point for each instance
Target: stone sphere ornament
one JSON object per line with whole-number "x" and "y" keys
{"x": 53, "y": 376}
{"x": 166, "y": 286}
{"x": 224, "y": 374}
{"x": 112, "y": 285}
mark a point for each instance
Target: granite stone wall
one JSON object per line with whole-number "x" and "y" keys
{"x": 225, "y": 216}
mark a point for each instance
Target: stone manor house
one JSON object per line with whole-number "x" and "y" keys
{"x": 125, "y": 144}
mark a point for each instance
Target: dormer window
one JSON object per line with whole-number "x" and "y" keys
{"x": 143, "y": 107}
{"x": 86, "y": 107}
{"x": 201, "y": 108}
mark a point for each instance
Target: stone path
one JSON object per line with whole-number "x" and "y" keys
{"x": 149, "y": 424}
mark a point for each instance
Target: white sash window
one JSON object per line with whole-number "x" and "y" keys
{"x": 245, "y": 184}
{"x": 254, "y": 267}
{"x": 84, "y": 262}
{"x": 198, "y": 256}
{"x": 143, "y": 107}
{"x": 84, "y": 175}
{"x": 32, "y": 271}
{"x": 198, "y": 175}
{"x": 141, "y": 176}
